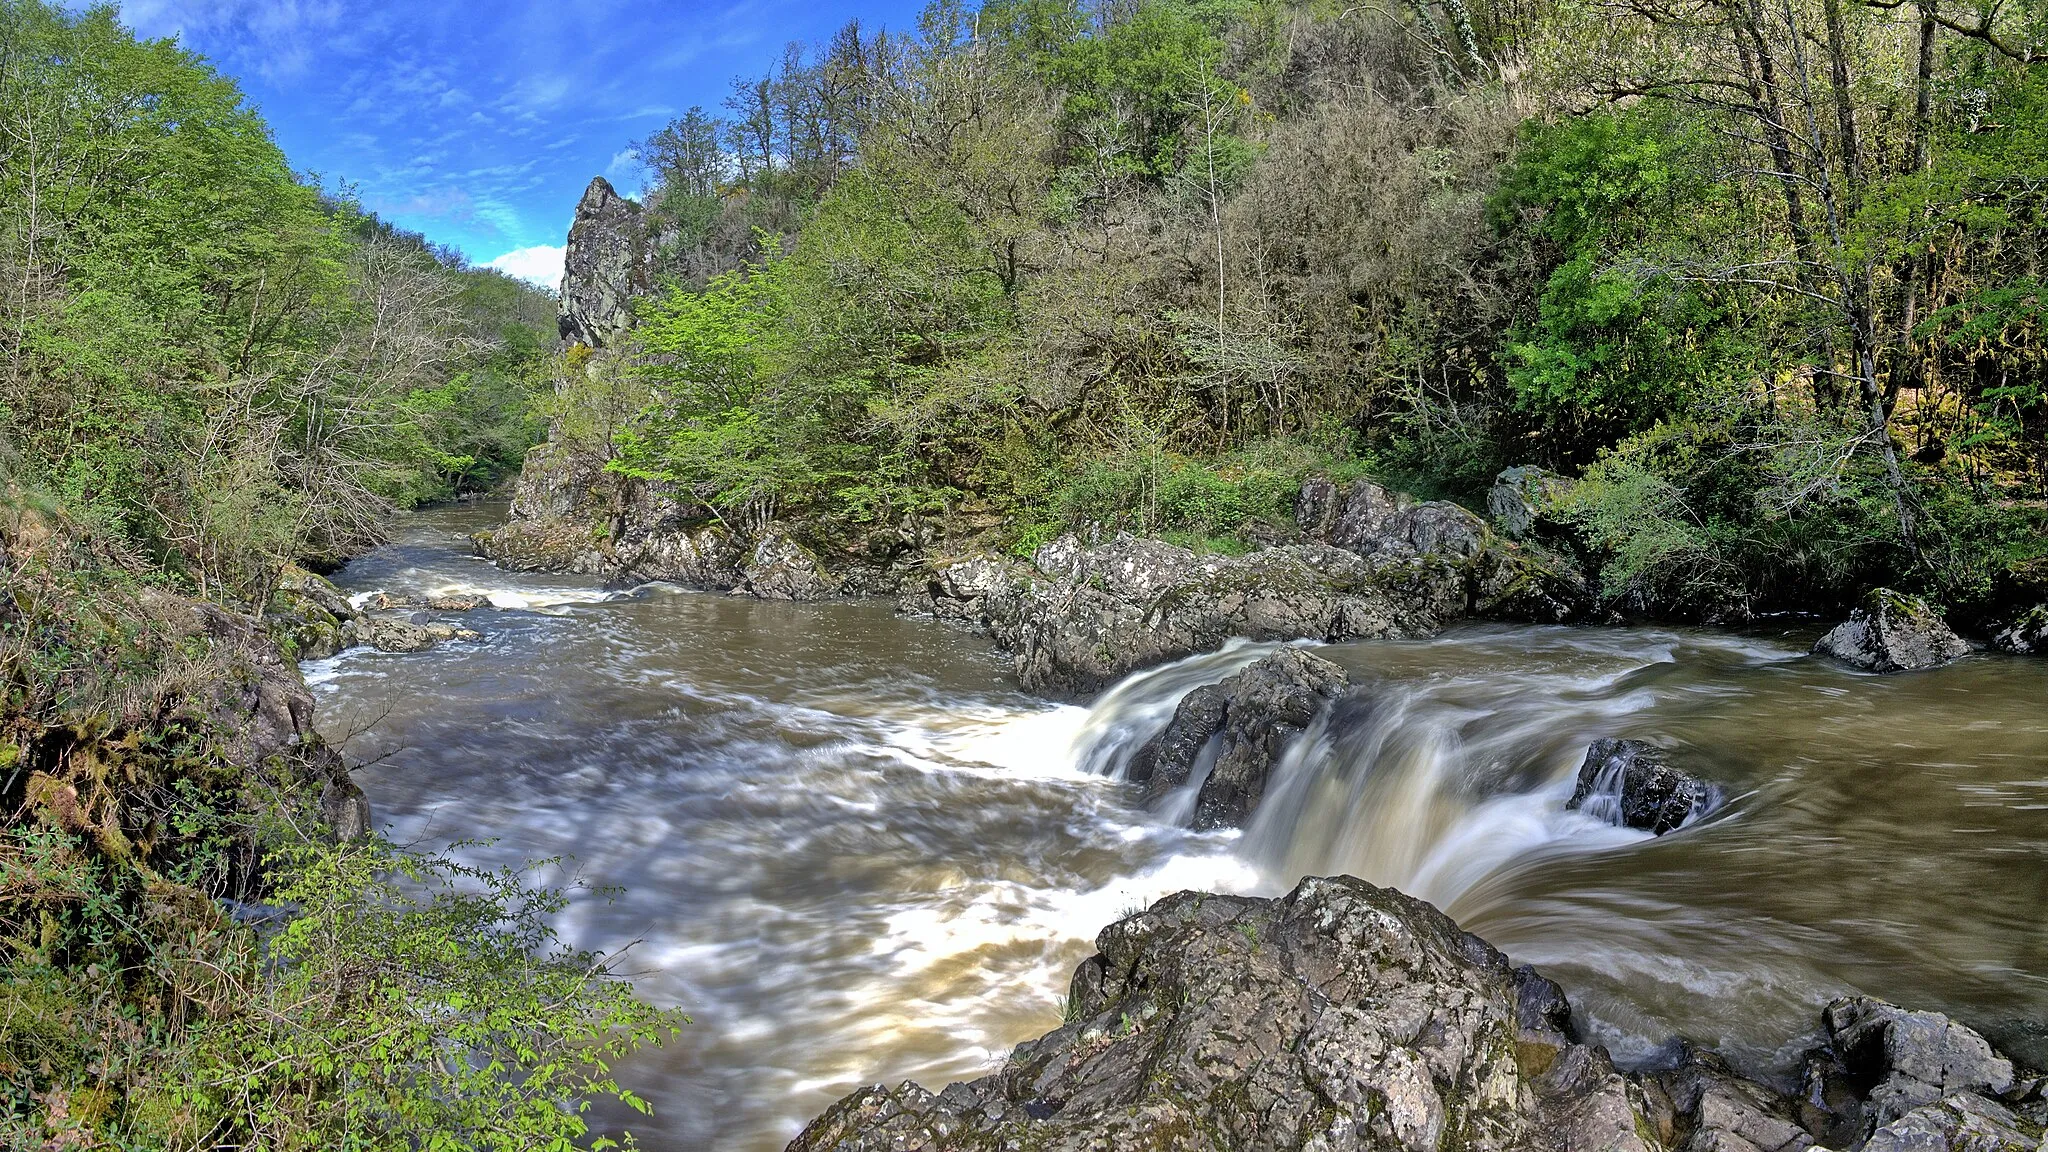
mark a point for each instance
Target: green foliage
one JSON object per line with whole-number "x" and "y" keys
{"x": 1616, "y": 343}
{"x": 404, "y": 1002}
{"x": 208, "y": 357}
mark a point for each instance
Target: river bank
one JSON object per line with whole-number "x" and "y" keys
{"x": 856, "y": 852}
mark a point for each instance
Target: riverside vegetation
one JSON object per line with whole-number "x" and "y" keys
{"x": 1759, "y": 286}
{"x": 211, "y": 369}
{"x": 1764, "y": 279}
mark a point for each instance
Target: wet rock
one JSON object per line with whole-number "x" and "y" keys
{"x": 388, "y": 634}
{"x": 1168, "y": 760}
{"x": 1543, "y": 1021}
{"x": 1715, "y": 1110}
{"x": 1909, "y": 1059}
{"x": 1526, "y": 498}
{"x": 2027, "y": 635}
{"x": 782, "y": 569}
{"x": 1632, "y": 784}
{"x": 1339, "y": 1016}
{"x": 1586, "y": 1105}
{"x": 1961, "y": 1123}
{"x": 1252, "y": 718}
{"x": 1893, "y": 632}
{"x": 608, "y": 262}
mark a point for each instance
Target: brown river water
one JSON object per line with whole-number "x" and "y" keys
{"x": 855, "y": 852}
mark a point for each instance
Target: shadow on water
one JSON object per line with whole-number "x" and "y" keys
{"x": 856, "y": 853}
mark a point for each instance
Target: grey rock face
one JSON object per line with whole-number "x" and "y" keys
{"x": 1349, "y": 1016}
{"x": 1962, "y": 1123}
{"x": 1530, "y": 583}
{"x": 1909, "y": 1059}
{"x": 1633, "y": 785}
{"x": 1252, "y": 717}
{"x": 1524, "y": 498}
{"x": 1706, "y": 1107}
{"x": 1372, "y": 521}
{"x": 782, "y": 569}
{"x": 1339, "y": 1016}
{"x": 1101, "y": 613}
{"x": 2025, "y": 636}
{"x": 1893, "y": 632}
{"x": 606, "y": 265}
{"x": 388, "y": 634}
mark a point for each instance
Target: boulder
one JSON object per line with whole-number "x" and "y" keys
{"x": 1339, "y": 1016}
{"x": 1344, "y": 1015}
{"x": 1527, "y": 582}
{"x": 1961, "y": 1123}
{"x": 782, "y": 569}
{"x": 2027, "y": 635}
{"x": 1704, "y": 1106}
{"x": 1633, "y": 785}
{"x": 1893, "y": 632}
{"x": 388, "y": 634}
{"x": 1903, "y": 1060}
{"x": 1525, "y": 499}
{"x": 1252, "y": 718}
{"x": 1373, "y": 521}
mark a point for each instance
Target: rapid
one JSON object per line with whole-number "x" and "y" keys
{"x": 854, "y": 851}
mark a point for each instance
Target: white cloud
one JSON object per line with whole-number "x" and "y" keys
{"x": 540, "y": 265}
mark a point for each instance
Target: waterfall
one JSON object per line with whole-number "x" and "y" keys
{"x": 1430, "y": 784}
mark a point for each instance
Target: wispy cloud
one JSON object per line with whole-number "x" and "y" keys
{"x": 540, "y": 265}
{"x": 480, "y": 124}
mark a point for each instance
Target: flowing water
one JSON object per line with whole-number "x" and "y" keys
{"x": 854, "y": 852}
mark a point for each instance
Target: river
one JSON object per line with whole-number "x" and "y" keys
{"x": 854, "y": 851}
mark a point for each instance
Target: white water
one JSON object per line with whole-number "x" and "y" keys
{"x": 854, "y": 852}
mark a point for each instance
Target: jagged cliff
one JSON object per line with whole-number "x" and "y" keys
{"x": 610, "y": 260}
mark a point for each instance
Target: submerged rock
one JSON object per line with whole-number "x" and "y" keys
{"x": 1893, "y": 632}
{"x": 1251, "y": 718}
{"x": 1632, "y": 784}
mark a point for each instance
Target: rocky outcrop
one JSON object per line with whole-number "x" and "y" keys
{"x": 1893, "y": 632}
{"x": 1094, "y": 615}
{"x": 1524, "y": 501}
{"x": 1347, "y": 1016}
{"x": 1632, "y": 785}
{"x": 1242, "y": 727}
{"x": 1375, "y": 565}
{"x": 1340, "y": 1016}
{"x": 608, "y": 262}
{"x": 2027, "y": 635}
{"x": 389, "y": 634}
{"x": 779, "y": 568}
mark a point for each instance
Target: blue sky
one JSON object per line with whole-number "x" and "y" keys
{"x": 480, "y": 124}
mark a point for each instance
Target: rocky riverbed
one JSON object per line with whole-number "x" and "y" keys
{"x": 1349, "y": 1016}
